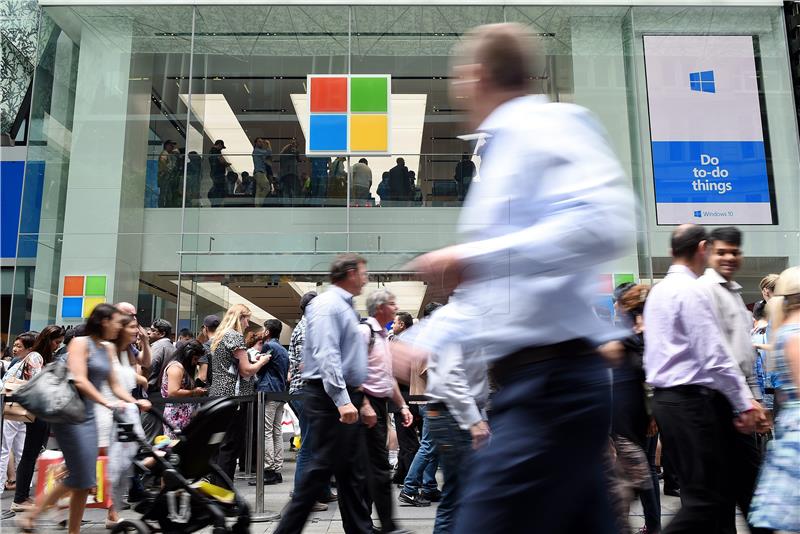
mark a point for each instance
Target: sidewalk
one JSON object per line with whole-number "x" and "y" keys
{"x": 418, "y": 520}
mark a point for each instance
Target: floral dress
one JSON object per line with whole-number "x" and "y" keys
{"x": 178, "y": 415}
{"x": 776, "y": 502}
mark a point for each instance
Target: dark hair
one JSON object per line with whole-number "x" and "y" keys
{"x": 401, "y": 161}
{"x": 686, "y": 239}
{"x": 126, "y": 320}
{"x": 169, "y": 142}
{"x": 163, "y": 326}
{"x": 343, "y": 264}
{"x": 45, "y": 339}
{"x": 363, "y": 160}
{"x": 27, "y": 339}
{"x": 306, "y": 299}
{"x": 727, "y": 234}
{"x": 184, "y": 354}
{"x": 621, "y": 289}
{"x": 429, "y": 309}
{"x": 100, "y": 313}
{"x": 760, "y": 310}
{"x": 185, "y": 332}
{"x": 73, "y": 332}
{"x": 274, "y": 328}
{"x": 405, "y": 318}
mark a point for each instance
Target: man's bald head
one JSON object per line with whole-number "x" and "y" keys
{"x": 506, "y": 52}
{"x": 687, "y": 239}
{"x": 126, "y": 308}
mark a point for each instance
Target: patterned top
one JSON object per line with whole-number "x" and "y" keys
{"x": 178, "y": 415}
{"x": 788, "y": 388}
{"x": 26, "y": 368}
{"x": 225, "y": 367}
{"x": 296, "y": 356}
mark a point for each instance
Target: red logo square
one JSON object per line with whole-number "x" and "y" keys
{"x": 328, "y": 94}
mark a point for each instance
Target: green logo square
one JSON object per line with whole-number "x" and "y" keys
{"x": 95, "y": 286}
{"x": 369, "y": 94}
{"x": 623, "y": 279}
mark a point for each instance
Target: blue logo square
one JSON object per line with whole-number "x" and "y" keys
{"x": 694, "y": 86}
{"x": 698, "y": 213}
{"x": 702, "y": 82}
{"x": 694, "y": 76}
{"x": 328, "y": 133}
{"x": 707, "y": 76}
{"x": 72, "y": 308}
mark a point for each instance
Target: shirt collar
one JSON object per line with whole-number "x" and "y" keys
{"x": 343, "y": 293}
{"x": 681, "y": 269}
{"x": 713, "y": 275}
{"x": 509, "y": 112}
{"x": 376, "y": 326}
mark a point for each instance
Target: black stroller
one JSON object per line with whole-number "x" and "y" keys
{"x": 186, "y": 502}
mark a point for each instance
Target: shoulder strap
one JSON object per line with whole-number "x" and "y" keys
{"x": 364, "y": 321}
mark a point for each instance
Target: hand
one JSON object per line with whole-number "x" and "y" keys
{"x": 442, "y": 269}
{"x": 480, "y": 434}
{"x": 613, "y": 352}
{"x": 143, "y": 337}
{"x": 199, "y": 392}
{"x": 652, "y": 428}
{"x": 408, "y": 419}
{"x": 746, "y": 422}
{"x": 348, "y": 414}
{"x": 762, "y": 421}
{"x": 114, "y": 405}
{"x": 144, "y": 405}
{"x": 368, "y": 415}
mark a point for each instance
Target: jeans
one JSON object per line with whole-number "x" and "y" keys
{"x": 454, "y": 446}
{"x": 273, "y": 436}
{"x": 304, "y": 456}
{"x": 422, "y": 473}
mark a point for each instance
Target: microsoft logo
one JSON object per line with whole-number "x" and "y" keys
{"x": 81, "y": 294}
{"x": 349, "y": 114}
{"x": 702, "y": 81}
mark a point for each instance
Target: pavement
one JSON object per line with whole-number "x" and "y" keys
{"x": 418, "y": 520}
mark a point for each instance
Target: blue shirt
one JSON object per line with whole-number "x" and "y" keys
{"x": 260, "y": 158}
{"x": 550, "y": 206}
{"x": 334, "y": 351}
{"x": 272, "y": 377}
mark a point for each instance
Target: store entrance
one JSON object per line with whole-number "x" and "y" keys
{"x": 186, "y": 301}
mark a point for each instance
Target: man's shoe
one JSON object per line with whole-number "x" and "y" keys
{"x": 672, "y": 492}
{"x": 330, "y": 497}
{"x": 319, "y": 507}
{"x": 433, "y": 496}
{"x": 413, "y": 500}
{"x": 279, "y": 477}
{"x": 7, "y": 514}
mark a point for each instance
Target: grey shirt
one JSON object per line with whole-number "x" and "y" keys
{"x": 461, "y": 382}
{"x": 159, "y": 351}
{"x": 334, "y": 349}
{"x": 735, "y": 323}
{"x": 260, "y": 158}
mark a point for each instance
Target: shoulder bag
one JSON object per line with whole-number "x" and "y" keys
{"x": 13, "y": 411}
{"x": 52, "y": 396}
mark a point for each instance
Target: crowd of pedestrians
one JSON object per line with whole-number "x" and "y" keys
{"x": 534, "y": 414}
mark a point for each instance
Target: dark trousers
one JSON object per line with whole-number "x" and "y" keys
{"x": 543, "y": 471}
{"x": 651, "y": 497}
{"x": 379, "y": 478}
{"x": 747, "y": 462}
{"x": 35, "y": 440}
{"x": 338, "y": 449}
{"x": 697, "y": 429}
{"x": 407, "y": 440}
{"x": 232, "y": 444}
{"x": 668, "y": 469}
{"x": 454, "y": 447}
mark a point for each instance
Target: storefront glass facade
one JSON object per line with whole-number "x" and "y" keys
{"x": 170, "y": 229}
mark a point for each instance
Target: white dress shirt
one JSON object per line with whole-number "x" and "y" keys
{"x": 552, "y": 205}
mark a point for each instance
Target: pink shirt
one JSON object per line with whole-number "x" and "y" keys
{"x": 380, "y": 379}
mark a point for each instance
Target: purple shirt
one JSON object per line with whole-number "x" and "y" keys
{"x": 683, "y": 341}
{"x": 380, "y": 378}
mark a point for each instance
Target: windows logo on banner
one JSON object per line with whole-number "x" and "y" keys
{"x": 348, "y": 114}
{"x": 702, "y": 81}
{"x": 81, "y": 295}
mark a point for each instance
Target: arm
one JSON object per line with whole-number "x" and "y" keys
{"x": 174, "y": 379}
{"x": 116, "y": 386}
{"x": 791, "y": 353}
{"x": 247, "y": 369}
{"x": 328, "y": 355}
{"x": 459, "y": 398}
{"x": 145, "y": 355}
{"x": 397, "y": 398}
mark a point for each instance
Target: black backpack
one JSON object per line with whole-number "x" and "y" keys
{"x": 371, "y": 333}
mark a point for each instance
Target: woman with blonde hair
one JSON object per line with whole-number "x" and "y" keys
{"x": 231, "y": 371}
{"x": 776, "y": 502}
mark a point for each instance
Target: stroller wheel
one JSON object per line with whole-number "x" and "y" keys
{"x": 131, "y": 525}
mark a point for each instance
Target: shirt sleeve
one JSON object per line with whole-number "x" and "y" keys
{"x": 704, "y": 329}
{"x": 327, "y": 354}
{"x": 233, "y": 341}
{"x": 458, "y": 397}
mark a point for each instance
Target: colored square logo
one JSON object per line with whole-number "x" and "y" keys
{"x": 369, "y": 133}
{"x": 328, "y": 95}
{"x": 369, "y": 94}
{"x": 328, "y": 133}
{"x": 95, "y": 286}
{"x": 89, "y": 304}
{"x": 702, "y": 82}
{"x": 72, "y": 307}
{"x": 73, "y": 286}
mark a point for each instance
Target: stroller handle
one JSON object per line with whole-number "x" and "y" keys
{"x": 119, "y": 417}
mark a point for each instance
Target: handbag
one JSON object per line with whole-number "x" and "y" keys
{"x": 52, "y": 396}
{"x": 13, "y": 411}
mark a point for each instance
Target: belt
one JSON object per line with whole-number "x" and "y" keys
{"x": 317, "y": 382}
{"x": 504, "y": 369}
{"x": 692, "y": 389}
